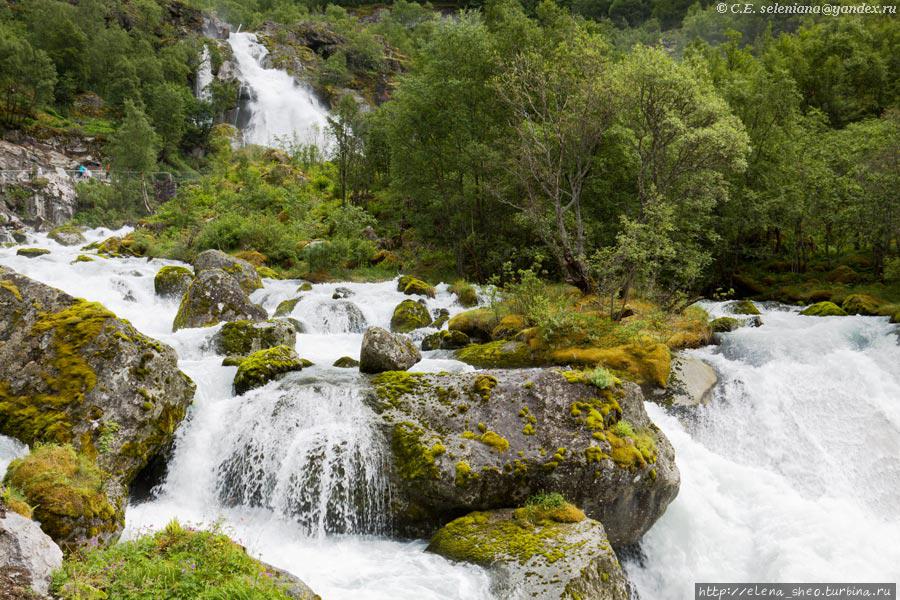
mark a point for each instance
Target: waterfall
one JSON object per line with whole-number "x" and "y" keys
{"x": 281, "y": 111}
{"x": 204, "y": 76}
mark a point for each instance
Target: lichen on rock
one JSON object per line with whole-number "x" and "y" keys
{"x": 410, "y": 315}
{"x": 244, "y": 337}
{"x": 215, "y": 296}
{"x": 172, "y": 281}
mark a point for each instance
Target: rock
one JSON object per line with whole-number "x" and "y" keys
{"x": 409, "y": 315}
{"x": 243, "y": 272}
{"x": 341, "y": 316}
{"x": 501, "y": 354}
{"x": 74, "y": 373}
{"x": 346, "y": 362}
{"x": 27, "y": 552}
{"x": 743, "y": 307}
{"x": 67, "y": 235}
{"x": 476, "y": 441}
{"x": 478, "y": 324}
{"x": 172, "y": 281}
{"x": 341, "y": 293}
{"x": 76, "y": 503}
{"x": 411, "y": 286}
{"x": 755, "y": 321}
{"x": 546, "y": 558}
{"x": 263, "y": 366}
{"x": 305, "y": 287}
{"x": 724, "y": 324}
{"x": 44, "y": 191}
{"x": 861, "y": 304}
{"x": 286, "y": 307}
{"x": 508, "y": 327}
{"x": 32, "y": 252}
{"x": 823, "y": 309}
{"x": 117, "y": 247}
{"x": 294, "y": 587}
{"x": 19, "y": 236}
{"x": 441, "y": 316}
{"x": 215, "y": 296}
{"x": 82, "y": 258}
{"x": 244, "y": 337}
{"x": 445, "y": 340}
{"x": 385, "y": 351}
{"x": 691, "y": 382}
{"x": 646, "y": 363}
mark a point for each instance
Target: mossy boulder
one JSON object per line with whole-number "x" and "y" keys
{"x": 743, "y": 307}
{"x": 75, "y": 501}
{"x": 478, "y": 323}
{"x": 239, "y": 338}
{"x": 132, "y": 244}
{"x": 410, "y": 315}
{"x": 480, "y": 440}
{"x": 67, "y": 235}
{"x": 725, "y": 324}
{"x": 267, "y": 272}
{"x": 72, "y": 372}
{"x": 552, "y": 555}
{"x": 32, "y": 252}
{"x": 172, "y": 281}
{"x": 215, "y": 296}
{"x": 861, "y": 304}
{"x": 465, "y": 292}
{"x": 843, "y": 274}
{"x": 286, "y": 307}
{"x": 823, "y": 309}
{"x": 502, "y": 354}
{"x": 263, "y": 366}
{"x": 508, "y": 327}
{"x": 242, "y": 271}
{"x": 346, "y": 362}
{"x": 445, "y": 340}
{"x": 645, "y": 363}
{"x": 411, "y": 286}
{"x": 385, "y": 351}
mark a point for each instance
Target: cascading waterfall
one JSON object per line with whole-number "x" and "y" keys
{"x": 281, "y": 111}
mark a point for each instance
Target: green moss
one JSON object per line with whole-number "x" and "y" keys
{"x": 823, "y": 309}
{"x": 497, "y": 355}
{"x": 67, "y": 490}
{"x": 32, "y": 252}
{"x": 627, "y": 447}
{"x": 173, "y": 563}
{"x": 171, "y": 280}
{"x": 508, "y": 327}
{"x": 414, "y": 455}
{"x": 12, "y": 288}
{"x": 744, "y": 307}
{"x": 267, "y": 273}
{"x": 478, "y": 323}
{"x": 108, "y": 432}
{"x": 346, "y": 362}
{"x": 643, "y": 362}
{"x": 264, "y": 365}
{"x": 861, "y": 304}
{"x": 466, "y": 294}
{"x": 411, "y": 286}
{"x": 305, "y": 287}
{"x": 391, "y": 386}
{"x": 81, "y": 258}
{"x": 464, "y": 474}
{"x": 242, "y": 337}
{"x": 488, "y": 438}
{"x": 13, "y": 499}
{"x": 545, "y": 507}
{"x": 409, "y": 315}
{"x": 484, "y": 385}
{"x": 725, "y": 324}
{"x": 286, "y": 307}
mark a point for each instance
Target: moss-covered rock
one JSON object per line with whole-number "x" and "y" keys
{"x": 725, "y": 324}
{"x": 71, "y": 372}
{"x": 242, "y": 271}
{"x": 441, "y": 316}
{"x": 501, "y": 354}
{"x": 823, "y": 309}
{"x": 83, "y": 258}
{"x": 552, "y": 555}
{"x": 743, "y": 307}
{"x": 267, "y": 272}
{"x": 470, "y": 441}
{"x": 643, "y": 363}
{"x": 265, "y": 365}
{"x": 861, "y": 304}
{"x": 239, "y": 338}
{"x": 445, "y": 340}
{"x": 346, "y": 362}
{"x": 465, "y": 292}
{"x": 215, "y": 296}
{"x": 410, "y": 315}
{"x": 172, "y": 281}
{"x": 411, "y": 286}
{"x": 508, "y": 327}
{"x": 305, "y": 287}
{"x": 385, "y": 351}
{"x": 286, "y": 307}
{"x": 132, "y": 244}
{"x": 478, "y": 324}
{"x": 75, "y": 501}
{"x": 32, "y": 252}
{"x": 67, "y": 235}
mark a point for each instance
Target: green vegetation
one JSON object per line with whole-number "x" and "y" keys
{"x": 824, "y": 309}
{"x": 176, "y": 562}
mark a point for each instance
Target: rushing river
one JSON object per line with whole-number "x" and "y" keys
{"x": 791, "y": 473}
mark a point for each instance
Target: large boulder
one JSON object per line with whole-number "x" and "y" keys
{"x": 742, "y": 307}
{"x": 547, "y": 554}
{"x": 475, "y": 441}
{"x": 823, "y": 309}
{"x": 172, "y": 281}
{"x": 385, "y": 351}
{"x": 691, "y": 382}
{"x": 861, "y": 304}
{"x": 242, "y": 271}
{"x": 72, "y": 372}
{"x": 27, "y": 556}
{"x": 244, "y": 337}
{"x": 263, "y": 366}
{"x": 478, "y": 323}
{"x": 411, "y": 286}
{"x": 67, "y": 235}
{"x": 410, "y": 315}
{"x": 215, "y": 296}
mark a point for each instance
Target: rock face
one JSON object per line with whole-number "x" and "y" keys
{"x": 215, "y": 296}
{"x": 243, "y": 272}
{"x": 35, "y": 187}
{"x": 172, "y": 281}
{"x": 27, "y": 553}
{"x": 691, "y": 382}
{"x": 71, "y": 372}
{"x": 386, "y": 351}
{"x": 244, "y": 337}
{"x": 543, "y": 560}
{"x": 475, "y": 441}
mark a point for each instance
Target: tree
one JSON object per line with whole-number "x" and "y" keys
{"x": 344, "y": 126}
{"x": 133, "y": 149}
{"x": 27, "y": 77}
{"x": 561, "y": 110}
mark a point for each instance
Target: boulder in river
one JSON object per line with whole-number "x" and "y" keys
{"x": 555, "y": 554}
{"x": 823, "y": 309}
{"x": 72, "y": 372}
{"x": 691, "y": 382}
{"x": 263, "y": 366}
{"x": 385, "y": 351}
{"x": 244, "y": 337}
{"x": 27, "y": 557}
{"x": 743, "y": 307}
{"x": 410, "y": 286}
{"x": 67, "y": 235}
{"x": 445, "y": 340}
{"x": 410, "y": 315}
{"x": 215, "y": 296}
{"x": 172, "y": 281}
{"x": 490, "y": 439}
{"x": 242, "y": 271}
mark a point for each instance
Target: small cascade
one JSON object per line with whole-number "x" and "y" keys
{"x": 279, "y": 111}
{"x": 204, "y": 76}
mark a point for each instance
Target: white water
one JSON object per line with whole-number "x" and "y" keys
{"x": 281, "y": 111}
{"x": 792, "y": 473}
{"x": 204, "y": 76}
{"x": 291, "y": 470}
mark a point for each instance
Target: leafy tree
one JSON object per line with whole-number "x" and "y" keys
{"x": 344, "y": 130}
{"x": 133, "y": 150}
{"x": 27, "y": 77}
